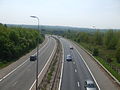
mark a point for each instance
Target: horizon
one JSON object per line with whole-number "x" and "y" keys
{"x": 64, "y": 26}
{"x": 74, "y": 13}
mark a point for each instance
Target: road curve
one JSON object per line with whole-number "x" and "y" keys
{"x": 24, "y": 76}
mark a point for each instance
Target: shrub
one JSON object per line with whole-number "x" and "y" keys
{"x": 95, "y": 52}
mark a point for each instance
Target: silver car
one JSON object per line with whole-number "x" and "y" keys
{"x": 89, "y": 85}
{"x": 69, "y": 58}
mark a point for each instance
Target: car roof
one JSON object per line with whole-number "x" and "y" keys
{"x": 68, "y": 55}
{"x": 89, "y": 82}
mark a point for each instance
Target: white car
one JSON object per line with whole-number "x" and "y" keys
{"x": 89, "y": 85}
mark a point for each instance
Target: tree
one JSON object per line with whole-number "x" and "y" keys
{"x": 15, "y": 42}
{"x": 118, "y": 55}
{"x": 97, "y": 38}
{"x": 95, "y": 52}
{"x": 110, "y": 40}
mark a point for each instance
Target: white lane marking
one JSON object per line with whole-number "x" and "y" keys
{"x": 13, "y": 70}
{"x": 73, "y": 62}
{"x": 78, "y": 84}
{"x": 43, "y": 67}
{"x": 32, "y": 85}
{"x": 20, "y": 65}
{"x": 75, "y": 70}
{"x": 61, "y": 67}
{"x": 88, "y": 69}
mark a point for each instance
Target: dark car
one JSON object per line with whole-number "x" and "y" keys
{"x": 33, "y": 58}
{"x": 69, "y": 58}
{"x": 89, "y": 85}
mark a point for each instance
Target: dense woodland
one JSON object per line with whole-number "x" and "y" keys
{"x": 16, "y": 41}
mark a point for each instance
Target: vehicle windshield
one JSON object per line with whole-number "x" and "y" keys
{"x": 91, "y": 85}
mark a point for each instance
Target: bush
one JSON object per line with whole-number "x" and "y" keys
{"x": 118, "y": 55}
{"x": 95, "y": 52}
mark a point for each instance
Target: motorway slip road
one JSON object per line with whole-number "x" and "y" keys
{"x": 24, "y": 76}
{"x": 82, "y": 68}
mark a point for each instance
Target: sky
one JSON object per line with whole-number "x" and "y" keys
{"x": 77, "y": 13}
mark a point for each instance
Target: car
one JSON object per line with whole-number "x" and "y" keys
{"x": 89, "y": 85}
{"x": 33, "y": 57}
{"x": 69, "y": 58}
{"x": 71, "y": 47}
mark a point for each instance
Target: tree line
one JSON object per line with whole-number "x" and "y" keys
{"x": 109, "y": 40}
{"x": 16, "y": 41}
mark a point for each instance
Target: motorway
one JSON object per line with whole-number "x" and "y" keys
{"x": 83, "y": 67}
{"x": 24, "y": 76}
{"x": 74, "y": 72}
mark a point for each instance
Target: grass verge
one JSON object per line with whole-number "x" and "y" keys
{"x": 108, "y": 67}
{"x": 103, "y": 62}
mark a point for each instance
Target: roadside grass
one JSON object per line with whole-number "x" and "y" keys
{"x": 103, "y": 52}
{"x": 109, "y": 68}
{"x": 50, "y": 74}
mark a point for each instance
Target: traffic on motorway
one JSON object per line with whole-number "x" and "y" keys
{"x": 88, "y": 84}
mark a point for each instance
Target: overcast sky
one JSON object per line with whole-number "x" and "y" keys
{"x": 80, "y": 13}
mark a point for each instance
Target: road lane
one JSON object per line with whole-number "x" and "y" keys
{"x": 23, "y": 77}
{"x": 69, "y": 80}
{"x": 104, "y": 81}
{"x": 72, "y": 80}
{"x": 100, "y": 77}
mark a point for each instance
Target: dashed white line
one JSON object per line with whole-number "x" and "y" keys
{"x": 73, "y": 62}
{"x": 78, "y": 84}
{"x": 75, "y": 70}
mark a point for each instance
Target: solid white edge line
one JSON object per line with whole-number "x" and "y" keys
{"x": 43, "y": 67}
{"x": 13, "y": 70}
{"x": 61, "y": 68}
{"x": 20, "y": 65}
{"x": 88, "y": 68}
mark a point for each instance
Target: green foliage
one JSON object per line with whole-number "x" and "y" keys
{"x": 103, "y": 45}
{"x": 98, "y": 38}
{"x": 118, "y": 55}
{"x": 108, "y": 67}
{"x": 15, "y": 41}
{"x": 107, "y": 42}
{"x": 95, "y": 52}
{"x": 110, "y": 40}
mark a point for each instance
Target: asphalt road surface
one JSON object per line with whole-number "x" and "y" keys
{"x": 82, "y": 68}
{"x": 75, "y": 72}
{"x": 24, "y": 76}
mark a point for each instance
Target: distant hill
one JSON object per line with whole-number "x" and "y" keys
{"x": 60, "y": 28}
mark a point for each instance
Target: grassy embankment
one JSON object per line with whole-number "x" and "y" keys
{"x": 103, "y": 51}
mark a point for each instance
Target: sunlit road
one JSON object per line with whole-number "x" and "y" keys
{"x": 24, "y": 76}
{"x": 82, "y": 68}
{"x": 74, "y": 72}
